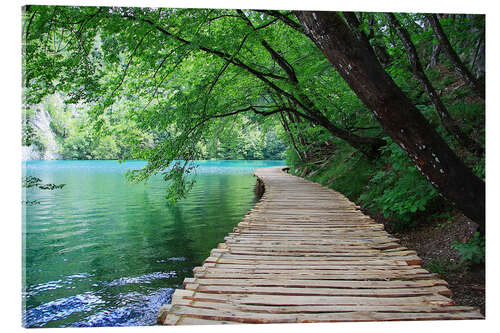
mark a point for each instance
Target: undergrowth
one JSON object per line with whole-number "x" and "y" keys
{"x": 443, "y": 267}
{"x": 472, "y": 252}
{"x": 391, "y": 186}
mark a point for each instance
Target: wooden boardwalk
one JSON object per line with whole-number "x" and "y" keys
{"x": 305, "y": 253}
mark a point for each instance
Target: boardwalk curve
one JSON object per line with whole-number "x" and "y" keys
{"x": 305, "y": 253}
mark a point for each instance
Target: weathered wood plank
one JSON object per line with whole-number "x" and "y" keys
{"x": 284, "y": 260}
{"x": 352, "y": 276}
{"x": 255, "y": 299}
{"x": 319, "y": 283}
{"x": 327, "y": 308}
{"x": 323, "y": 267}
{"x": 262, "y": 318}
{"x": 275, "y": 290}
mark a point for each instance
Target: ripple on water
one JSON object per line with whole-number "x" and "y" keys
{"x": 61, "y": 308}
{"x": 51, "y": 285}
{"x": 140, "y": 310}
{"x": 171, "y": 259}
{"x": 77, "y": 248}
{"x": 147, "y": 278}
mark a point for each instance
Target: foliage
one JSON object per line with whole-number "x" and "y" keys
{"x": 180, "y": 183}
{"x": 392, "y": 185}
{"x": 35, "y": 182}
{"x": 31, "y": 181}
{"x": 398, "y": 190}
{"x": 75, "y": 136}
{"x": 151, "y": 60}
{"x": 479, "y": 167}
{"x": 473, "y": 251}
{"x": 346, "y": 171}
{"x": 28, "y": 132}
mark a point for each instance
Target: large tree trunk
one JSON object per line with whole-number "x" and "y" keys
{"x": 448, "y": 122}
{"x": 356, "y": 62}
{"x": 459, "y": 66}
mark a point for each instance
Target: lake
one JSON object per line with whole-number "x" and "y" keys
{"x": 104, "y": 252}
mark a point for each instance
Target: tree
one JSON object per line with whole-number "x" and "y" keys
{"x": 452, "y": 56}
{"x": 353, "y": 58}
{"x": 448, "y": 122}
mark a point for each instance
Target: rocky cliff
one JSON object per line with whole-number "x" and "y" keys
{"x": 49, "y": 149}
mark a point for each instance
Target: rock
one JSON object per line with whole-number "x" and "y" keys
{"x": 30, "y": 153}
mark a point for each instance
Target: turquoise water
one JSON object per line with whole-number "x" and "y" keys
{"x": 104, "y": 252}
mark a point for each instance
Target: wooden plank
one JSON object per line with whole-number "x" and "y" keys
{"x": 275, "y": 290}
{"x": 262, "y": 318}
{"x": 333, "y": 270}
{"x": 329, "y": 308}
{"x": 401, "y": 260}
{"x": 370, "y": 276}
{"x": 185, "y": 320}
{"x": 319, "y": 283}
{"x": 283, "y": 260}
{"x": 275, "y": 300}
{"x": 376, "y": 243}
{"x": 323, "y": 267}
{"x": 332, "y": 263}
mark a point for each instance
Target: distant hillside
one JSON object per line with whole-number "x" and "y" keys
{"x": 64, "y": 131}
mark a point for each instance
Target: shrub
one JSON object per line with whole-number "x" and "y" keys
{"x": 441, "y": 266}
{"x": 471, "y": 252}
{"x": 398, "y": 190}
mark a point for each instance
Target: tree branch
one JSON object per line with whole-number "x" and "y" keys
{"x": 284, "y": 18}
{"x": 224, "y": 67}
{"x": 367, "y": 145}
{"x": 163, "y": 61}
{"x": 29, "y": 25}
{"x": 275, "y": 55}
{"x": 129, "y": 62}
{"x": 221, "y": 16}
{"x": 223, "y": 115}
{"x": 459, "y": 66}
{"x": 164, "y": 78}
{"x": 265, "y": 25}
{"x": 448, "y": 122}
{"x": 220, "y": 54}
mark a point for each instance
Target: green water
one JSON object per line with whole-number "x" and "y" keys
{"x": 103, "y": 252}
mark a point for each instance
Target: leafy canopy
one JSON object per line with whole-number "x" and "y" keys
{"x": 191, "y": 74}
